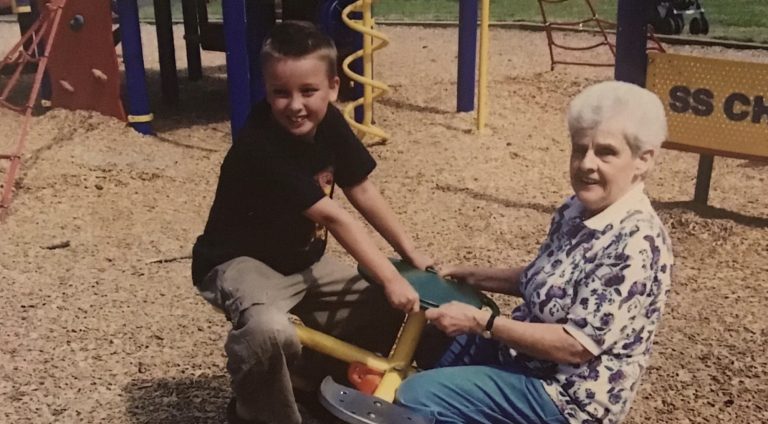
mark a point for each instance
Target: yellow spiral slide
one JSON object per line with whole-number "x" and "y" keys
{"x": 372, "y": 40}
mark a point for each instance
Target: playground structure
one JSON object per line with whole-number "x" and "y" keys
{"x": 243, "y": 72}
{"x": 714, "y": 107}
{"x": 602, "y": 26}
{"x": 239, "y": 19}
{"x": 23, "y": 9}
{"x": 21, "y": 55}
{"x": 240, "y": 35}
{"x": 91, "y": 81}
{"x": 69, "y": 76}
{"x": 466, "y": 72}
{"x": 372, "y": 41}
{"x": 375, "y": 40}
{"x": 685, "y": 81}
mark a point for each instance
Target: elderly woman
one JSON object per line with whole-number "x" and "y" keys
{"x": 574, "y": 350}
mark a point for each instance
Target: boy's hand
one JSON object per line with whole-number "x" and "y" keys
{"x": 402, "y": 296}
{"x": 420, "y": 260}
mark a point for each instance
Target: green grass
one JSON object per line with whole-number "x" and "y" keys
{"x": 743, "y": 20}
{"x": 501, "y": 10}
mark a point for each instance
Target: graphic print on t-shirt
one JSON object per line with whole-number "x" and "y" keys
{"x": 324, "y": 179}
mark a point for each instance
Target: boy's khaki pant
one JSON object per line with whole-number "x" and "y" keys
{"x": 262, "y": 345}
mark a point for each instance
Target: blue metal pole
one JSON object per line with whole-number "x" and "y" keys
{"x": 260, "y": 20}
{"x": 347, "y": 41}
{"x": 169, "y": 80}
{"x": 238, "y": 75}
{"x": 357, "y": 66}
{"x": 465, "y": 88}
{"x": 192, "y": 39}
{"x": 631, "y": 38}
{"x": 139, "y": 114}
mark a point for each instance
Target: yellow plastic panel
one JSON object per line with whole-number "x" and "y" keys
{"x": 713, "y": 105}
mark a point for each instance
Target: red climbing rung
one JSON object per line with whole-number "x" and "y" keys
{"x": 601, "y": 25}
{"x": 10, "y": 106}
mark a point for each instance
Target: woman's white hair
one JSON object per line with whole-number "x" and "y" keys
{"x": 640, "y": 112}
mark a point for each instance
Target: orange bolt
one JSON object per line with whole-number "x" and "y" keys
{"x": 101, "y": 76}
{"x": 67, "y": 86}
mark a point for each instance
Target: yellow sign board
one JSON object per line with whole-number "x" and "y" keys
{"x": 713, "y": 105}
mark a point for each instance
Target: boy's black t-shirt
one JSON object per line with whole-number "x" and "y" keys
{"x": 267, "y": 180}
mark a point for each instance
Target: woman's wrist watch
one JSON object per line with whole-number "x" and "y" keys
{"x": 488, "y": 330}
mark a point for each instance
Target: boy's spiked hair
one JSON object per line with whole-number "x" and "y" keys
{"x": 297, "y": 39}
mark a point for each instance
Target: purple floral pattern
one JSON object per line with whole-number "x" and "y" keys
{"x": 606, "y": 279}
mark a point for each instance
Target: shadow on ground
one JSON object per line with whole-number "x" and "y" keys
{"x": 190, "y": 400}
{"x": 200, "y": 102}
{"x": 486, "y": 197}
{"x": 183, "y": 400}
{"x": 713, "y": 213}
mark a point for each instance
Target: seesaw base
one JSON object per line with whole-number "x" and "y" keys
{"x": 354, "y": 407}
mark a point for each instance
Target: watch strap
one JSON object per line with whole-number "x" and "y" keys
{"x": 491, "y": 319}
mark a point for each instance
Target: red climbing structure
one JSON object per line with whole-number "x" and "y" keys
{"x": 83, "y": 66}
{"x": 71, "y": 45}
{"x": 594, "y": 22}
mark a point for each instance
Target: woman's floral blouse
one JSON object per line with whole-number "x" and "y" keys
{"x": 606, "y": 280}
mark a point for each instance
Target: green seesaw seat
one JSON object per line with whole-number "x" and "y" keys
{"x": 353, "y": 406}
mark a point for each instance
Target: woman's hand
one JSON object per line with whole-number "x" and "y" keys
{"x": 494, "y": 280}
{"x": 401, "y": 295}
{"x": 456, "y": 318}
{"x": 462, "y": 273}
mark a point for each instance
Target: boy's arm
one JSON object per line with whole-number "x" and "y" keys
{"x": 367, "y": 199}
{"x": 351, "y": 234}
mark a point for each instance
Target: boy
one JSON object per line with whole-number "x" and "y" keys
{"x": 261, "y": 254}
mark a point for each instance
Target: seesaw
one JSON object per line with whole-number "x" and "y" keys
{"x": 377, "y": 378}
